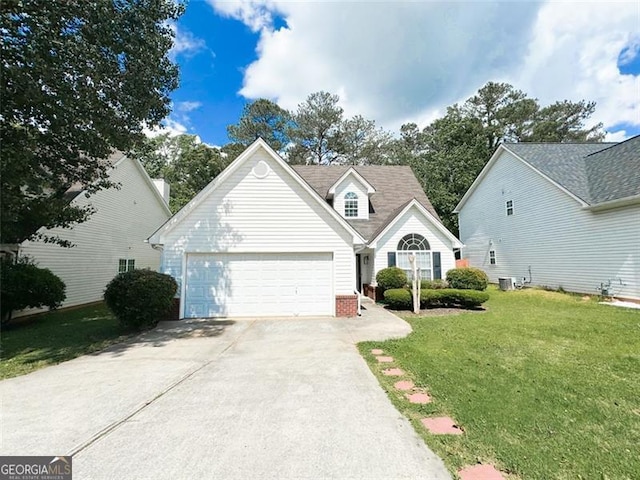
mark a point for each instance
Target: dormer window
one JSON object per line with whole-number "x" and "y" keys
{"x": 351, "y": 205}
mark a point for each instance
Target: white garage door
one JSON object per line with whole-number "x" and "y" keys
{"x": 258, "y": 284}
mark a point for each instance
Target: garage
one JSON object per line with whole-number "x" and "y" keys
{"x": 258, "y": 284}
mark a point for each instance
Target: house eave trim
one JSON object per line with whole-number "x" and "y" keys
{"x": 455, "y": 243}
{"x": 620, "y": 202}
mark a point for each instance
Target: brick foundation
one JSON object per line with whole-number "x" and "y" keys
{"x": 373, "y": 292}
{"x": 346, "y": 305}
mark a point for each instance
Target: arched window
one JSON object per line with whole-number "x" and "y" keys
{"x": 414, "y": 244}
{"x": 351, "y": 205}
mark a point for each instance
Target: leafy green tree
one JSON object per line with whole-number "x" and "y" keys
{"x": 359, "y": 142}
{"x": 564, "y": 122}
{"x": 317, "y": 125}
{"x": 79, "y": 79}
{"x": 454, "y": 153}
{"x": 155, "y": 153}
{"x": 509, "y": 115}
{"x": 447, "y": 155}
{"x": 187, "y": 164}
{"x": 194, "y": 168}
{"x": 262, "y": 119}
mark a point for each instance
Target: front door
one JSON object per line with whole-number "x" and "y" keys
{"x": 358, "y": 274}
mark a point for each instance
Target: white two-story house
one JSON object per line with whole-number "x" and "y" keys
{"x": 559, "y": 215}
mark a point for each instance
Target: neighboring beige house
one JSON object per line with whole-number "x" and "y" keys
{"x": 268, "y": 239}
{"x": 112, "y": 240}
{"x": 559, "y": 215}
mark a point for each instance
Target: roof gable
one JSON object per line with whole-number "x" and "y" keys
{"x": 591, "y": 173}
{"x": 394, "y": 186}
{"x": 155, "y": 238}
{"x": 352, "y": 173}
{"x": 113, "y": 160}
{"x": 455, "y": 243}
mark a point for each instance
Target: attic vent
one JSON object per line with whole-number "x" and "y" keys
{"x": 261, "y": 169}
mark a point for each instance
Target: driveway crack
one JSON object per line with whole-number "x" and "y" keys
{"x": 114, "y": 425}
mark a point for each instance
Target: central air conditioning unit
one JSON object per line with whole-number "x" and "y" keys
{"x": 507, "y": 283}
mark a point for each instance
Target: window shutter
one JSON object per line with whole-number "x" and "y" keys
{"x": 437, "y": 266}
{"x": 391, "y": 259}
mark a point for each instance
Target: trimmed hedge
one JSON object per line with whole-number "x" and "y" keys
{"x": 467, "y": 278}
{"x": 434, "y": 284}
{"x": 391, "y": 277}
{"x": 25, "y": 285}
{"x": 140, "y": 298}
{"x": 464, "y": 298}
{"x": 400, "y": 298}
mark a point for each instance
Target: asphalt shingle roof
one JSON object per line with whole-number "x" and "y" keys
{"x": 614, "y": 172}
{"x": 395, "y": 187}
{"x": 594, "y": 172}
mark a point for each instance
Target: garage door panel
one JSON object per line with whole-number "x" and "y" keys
{"x": 251, "y": 284}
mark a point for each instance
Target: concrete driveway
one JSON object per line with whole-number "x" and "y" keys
{"x": 277, "y": 398}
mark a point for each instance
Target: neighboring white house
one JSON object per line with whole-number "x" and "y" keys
{"x": 558, "y": 215}
{"x": 264, "y": 238}
{"x": 112, "y": 240}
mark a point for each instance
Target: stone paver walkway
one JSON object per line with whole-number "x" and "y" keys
{"x": 435, "y": 425}
{"x": 441, "y": 426}
{"x": 480, "y": 472}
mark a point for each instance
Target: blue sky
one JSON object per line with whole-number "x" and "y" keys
{"x": 400, "y": 62}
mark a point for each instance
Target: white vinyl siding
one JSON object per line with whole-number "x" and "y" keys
{"x": 413, "y": 221}
{"x": 563, "y": 243}
{"x": 123, "y": 220}
{"x": 247, "y": 214}
{"x": 351, "y": 184}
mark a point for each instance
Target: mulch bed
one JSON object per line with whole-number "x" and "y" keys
{"x": 437, "y": 312}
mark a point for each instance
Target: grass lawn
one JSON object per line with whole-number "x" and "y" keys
{"x": 55, "y": 337}
{"x": 545, "y": 385}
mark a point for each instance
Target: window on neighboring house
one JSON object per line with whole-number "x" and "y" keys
{"x": 509, "y": 207}
{"x": 417, "y": 245}
{"x": 126, "y": 265}
{"x": 351, "y": 205}
{"x": 492, "y": 257}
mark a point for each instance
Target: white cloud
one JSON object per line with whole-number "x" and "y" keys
{"x": 406, "y": 61}
{"x": 574, "y": 55}
{"x": 188, "y": 106}
{"x": 184, "y": 42}
{"x": 619, "y": 136}
{"x": 170, "y": 126}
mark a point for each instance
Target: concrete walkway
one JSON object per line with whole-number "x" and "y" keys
{"x": 276, "y": 398}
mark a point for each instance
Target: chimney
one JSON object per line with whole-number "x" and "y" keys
{"x": 163, "y": 188}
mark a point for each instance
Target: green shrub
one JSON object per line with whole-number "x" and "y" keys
{"x": 449, "y": 297}
{"x": 467, "y": 278}
{"x": 25, "y": 285}
{"x": 398, "y": 299}
{"x": 434, "y": 284}
{"x": 140, "y": 298}
{"x": 429, "y": 298}
{"x": 463, "y": 298}
{"x": 401, "y": 298}
{"x": 391, "y": 277}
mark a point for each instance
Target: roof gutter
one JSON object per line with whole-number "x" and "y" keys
{"x": 617, "y": 203}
